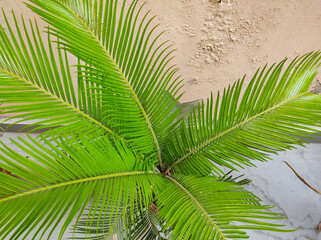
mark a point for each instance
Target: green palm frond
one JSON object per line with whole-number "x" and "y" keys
{"x": 274, "y": 111}
{"x": 239, "y": 180}
{"x": 128, "y": 56}
{"x": 65, "y": 179}
{"x": 146, "y": 226}
{"x": 207, "y": 208}
{"x": 142, "y": 224}
{"x": 101, "y": 229}
{"x": 123, "y": 158}
{"x": 36, "y": 84}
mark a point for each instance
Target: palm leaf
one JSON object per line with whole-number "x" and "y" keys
{"x": 146, "y": 226}
{"x": 142, "y": 224}
{"x": 67, "y": 175}
{"x": 36, "y": 84}
{"x": 207, "y": 208}
{"x": 127, "y": 54}
{"x": 274, "y": 111}
{"x": 97, "y": 167}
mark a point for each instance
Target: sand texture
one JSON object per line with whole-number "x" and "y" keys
{"x": 220, "y": 42}
{"x": 217, "y": 43}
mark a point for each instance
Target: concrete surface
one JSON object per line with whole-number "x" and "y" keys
{"x": 276, "y": 184}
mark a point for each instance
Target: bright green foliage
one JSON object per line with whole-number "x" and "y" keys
{"x": 102, "y": 172}
{"x": 140, "y": 225}
{"x": 120, "y": 158}
{"x": 204, "y": 208}
{"x": 265, "y": 119}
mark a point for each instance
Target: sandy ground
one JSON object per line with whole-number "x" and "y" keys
{"x": 217, "y": 43}
{"x": 220, "y": 42}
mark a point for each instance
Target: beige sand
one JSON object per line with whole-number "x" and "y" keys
{"x": 219, "y": 42}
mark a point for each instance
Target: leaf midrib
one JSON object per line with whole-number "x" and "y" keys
{"x": 198, "y": 205}
{"x": 78, "y": 181}
{"x": 229, "y": 130}
{"x": 62, "y": 101}
{"x": 150, "y": 127}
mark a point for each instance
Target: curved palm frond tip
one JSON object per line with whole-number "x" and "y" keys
{"x": 100, "y": 172}
{"x": 121, "y": 160}
{"x": 134, "y": 70}
{"x": 273, "y": 112}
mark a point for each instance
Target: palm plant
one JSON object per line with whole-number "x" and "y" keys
{"x": 117, "y": 158}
